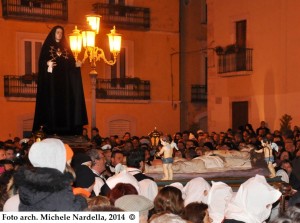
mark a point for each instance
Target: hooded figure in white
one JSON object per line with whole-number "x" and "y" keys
{"x": 218, "y": 197}
{"x": 253, "y": 201}
{"x": 123, "y": 177}
{"x": 196, "y": 190}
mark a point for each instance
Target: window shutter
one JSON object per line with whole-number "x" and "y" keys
{"x": 119, "y": 127}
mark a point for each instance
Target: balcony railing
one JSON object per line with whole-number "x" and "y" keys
{"x": 125, "y": 17}
{"x": 20, "y": 86}
{"x": 35, "y": 10}
{"x": 198, "y": 93}
{"x": 238, "y": 60}
{"x": 123, "y": 89}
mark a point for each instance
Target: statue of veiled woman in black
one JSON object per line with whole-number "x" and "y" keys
{"x": 60, "y": 104}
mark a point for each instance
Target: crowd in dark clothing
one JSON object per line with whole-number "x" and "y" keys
{"x": 113, "y": 167}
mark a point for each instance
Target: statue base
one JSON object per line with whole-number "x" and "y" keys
{"x": 76, "y": 142}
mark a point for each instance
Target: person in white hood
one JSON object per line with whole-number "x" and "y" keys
{"x": 253, "y": 201}
{"x": 196, "y": 190}
{"x": 219, "y": 196}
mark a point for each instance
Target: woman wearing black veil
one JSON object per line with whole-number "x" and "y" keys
{"x": 60, "y": 104}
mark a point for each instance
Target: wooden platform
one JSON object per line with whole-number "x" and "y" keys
{"x": 233, "y": 182}
{"x": 77, "y": 143}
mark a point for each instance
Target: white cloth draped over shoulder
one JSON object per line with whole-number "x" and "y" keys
{"x": 148, "y": 188}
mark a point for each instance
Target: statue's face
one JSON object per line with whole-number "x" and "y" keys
{"x": 58, "y": 34}
{"x": 263, "y": 143}
{"x": 164, "y": 138}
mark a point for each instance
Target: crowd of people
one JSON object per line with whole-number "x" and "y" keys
{"x": 109, "y": 176}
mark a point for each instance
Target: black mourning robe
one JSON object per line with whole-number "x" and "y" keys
{"x": 60, "y": 104}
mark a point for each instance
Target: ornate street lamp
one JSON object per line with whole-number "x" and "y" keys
{"x": 154, "y": 137}
{"x": 87, "y": 39}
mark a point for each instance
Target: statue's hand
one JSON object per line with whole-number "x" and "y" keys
{"x": 51, "y": 63}
{"x": 78, "y": 63}
{"x": 259, "y": 151}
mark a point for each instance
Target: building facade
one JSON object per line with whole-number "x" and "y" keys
{"x": 253, "y": 69}
{"x": 193, "y": 65}
{"x": 150, "y": 34}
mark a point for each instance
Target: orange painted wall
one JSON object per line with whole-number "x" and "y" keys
{"x": 151, "y": 62}
{"x": 272, "y": 88}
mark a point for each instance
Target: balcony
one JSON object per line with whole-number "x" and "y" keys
{"x": 198, "y": 93}
{"x": 25, "y": 86}
{"x": 35, "y": 10}
{"x": 234, "y": 59}
{"x": 124, "y": 17}
{"x": 123, "y": 89}
{"x": 20, "y": 86}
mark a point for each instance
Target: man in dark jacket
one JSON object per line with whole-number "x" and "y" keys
{"x": 96, "y": 138}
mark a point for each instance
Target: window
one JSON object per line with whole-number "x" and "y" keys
{"x": 119, "y": 69}
{"x": 27, "y": 127}
{"x": 241, "y": 27}
{"x": 124, "y": 66}
{"x": 29, "y": 3}
{"x": 205, "y": 69}
{"x": 239, "y": 116}
{"x": 29, "y": 48}
{"x": 119, "y": 124}
{"x": 203, "y": 12}
{"x": 116, "y": 11}
{"x": 119, "y": 127}
{"x": 32, "y": 52}
{"x": 117, "y": 2}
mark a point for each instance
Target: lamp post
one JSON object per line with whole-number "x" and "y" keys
{"x": 154, "y": 137}
{"x": 87, "y": 39}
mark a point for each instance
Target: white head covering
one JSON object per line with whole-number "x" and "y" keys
{"x": 123, "y": 177}
{"x": 218, "y": 197}
{"x": 179, "y": 186}
{"x": 106, "y": 146}
{"x": 253, "y": 201}
{"x": 194, "y": 191}
{"x": 49, "y": 153}
{"x": 134, "y": 202}
{"x": 148, "y": 188}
